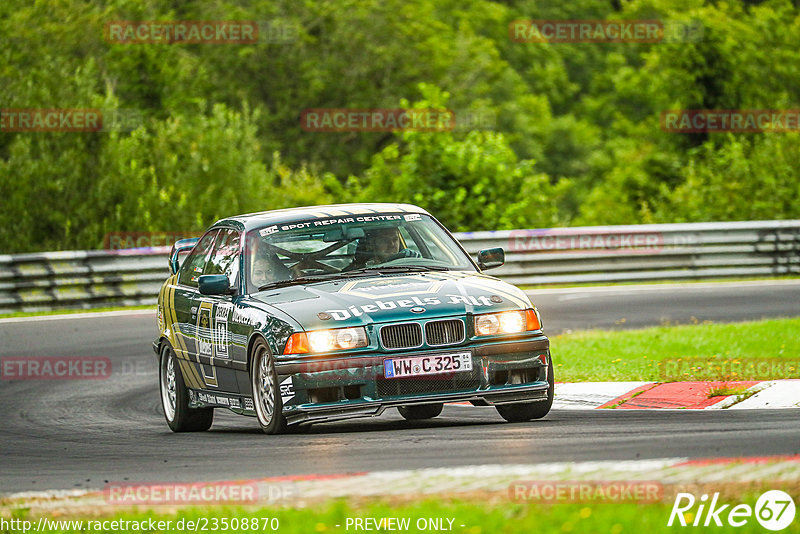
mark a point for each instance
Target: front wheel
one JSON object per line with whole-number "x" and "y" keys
{"x": 175, "y": 397}
{"x": 266, "y": 397}
{"x": 517, "y": 413}
{"x": 420, "y": 411}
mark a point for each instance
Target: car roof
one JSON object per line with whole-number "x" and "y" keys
{"x": 288, "y": 215}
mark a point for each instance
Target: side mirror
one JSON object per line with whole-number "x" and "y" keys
{"x": 214, "y": 284}
{"x": 491, "y": 258}
{"x": 182, "y": 245}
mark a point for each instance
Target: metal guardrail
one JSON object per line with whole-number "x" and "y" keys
{"x": 89, "y": 279}
{"x": 644, "y": 252}
{"x": 83, "y": 279}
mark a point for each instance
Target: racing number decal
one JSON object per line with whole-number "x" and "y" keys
{"x": 221, "y": 331}
{"x": 204, "y": 330}
{"x": 212, "y": 337}
{"x": 205, "y": 342}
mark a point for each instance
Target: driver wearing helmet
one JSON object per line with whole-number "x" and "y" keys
{"x": 378, "y": 246}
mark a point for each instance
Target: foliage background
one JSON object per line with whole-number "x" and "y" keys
{"x": 576, "y": 140}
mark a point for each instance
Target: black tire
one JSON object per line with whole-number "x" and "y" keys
{"x": 517, "y": 413}
{"x": 420, "y": 411}
{"x": 175, "y": 397}
{"x": 266, "y": 397}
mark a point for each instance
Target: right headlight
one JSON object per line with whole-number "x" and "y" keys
{"x": 326, "y": 340}
{"x": 510, "y": 322}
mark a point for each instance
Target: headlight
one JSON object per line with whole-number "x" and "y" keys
{"x": 510, "y": 322}
{"x": 326, "y": 340}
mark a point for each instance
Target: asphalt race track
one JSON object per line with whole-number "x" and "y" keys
{"x": 82, "y": 434}
{"x": 648, "y": 305}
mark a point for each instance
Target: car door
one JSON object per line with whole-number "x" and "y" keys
{"x": 185, "y": 291}
{"x": 212, "y": 314}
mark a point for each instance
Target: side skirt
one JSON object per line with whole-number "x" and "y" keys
{"x": 201, "y": 398}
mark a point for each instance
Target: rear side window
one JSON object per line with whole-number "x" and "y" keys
{"x": 195, "y": 262}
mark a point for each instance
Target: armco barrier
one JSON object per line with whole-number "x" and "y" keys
{"x": 83, "y": 279}
{"x": 88, "y": 279}
{"x": 644, "y": 252}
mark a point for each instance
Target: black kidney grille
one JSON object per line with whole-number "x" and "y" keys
{"x": 447, "y": 332}
{"x": 401, "y": 336}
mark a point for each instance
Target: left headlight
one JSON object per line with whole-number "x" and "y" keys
{"x": 326, "y": 340}
{"x": 510, "y": 322}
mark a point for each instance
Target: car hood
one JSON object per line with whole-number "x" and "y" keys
{"x": 394, "y": 297}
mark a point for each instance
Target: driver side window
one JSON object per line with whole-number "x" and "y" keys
{"x": 225, "y": 256}
{"x": 195, "y": 262}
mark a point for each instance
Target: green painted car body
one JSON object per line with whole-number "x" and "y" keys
{"x": 345, "y": 337}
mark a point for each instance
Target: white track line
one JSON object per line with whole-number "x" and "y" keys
{"x": 776, "y": 394}
{"x": 586, "y": 395}
{"x": 660, "y": 287}
{"x": 86, "y": 315}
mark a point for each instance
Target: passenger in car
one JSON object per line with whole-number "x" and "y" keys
{"x": 269, "y": 269}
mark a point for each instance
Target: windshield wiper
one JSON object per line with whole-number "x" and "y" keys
{"x": 299, "y": 280}
{"x": 356, "y": 272}
{"x": 397, "y": 268}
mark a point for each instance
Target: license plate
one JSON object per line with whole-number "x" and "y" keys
{"x": 427, "y": 365}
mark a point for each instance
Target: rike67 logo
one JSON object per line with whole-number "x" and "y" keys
{"x": 774, "y": 510}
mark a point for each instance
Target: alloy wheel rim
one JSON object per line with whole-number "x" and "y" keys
{"x": 168, "y": 386}
{"x": 265, "y": 387}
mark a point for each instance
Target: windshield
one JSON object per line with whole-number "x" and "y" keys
{"x": 348, "y": 246}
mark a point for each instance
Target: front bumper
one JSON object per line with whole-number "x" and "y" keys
{"x": 334, "y": 388}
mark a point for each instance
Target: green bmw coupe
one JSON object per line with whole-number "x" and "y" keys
{"x": 324, "y": 313}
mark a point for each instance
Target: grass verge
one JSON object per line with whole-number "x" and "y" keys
{"x": 725, "y": 391}
{"x": 452, "y": 515}
{"x": 670, "y": 353}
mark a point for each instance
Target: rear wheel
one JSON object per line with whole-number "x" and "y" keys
{"x": 420, "y": 411}
{"x": 266, "y": 398}
{"x": 517, "y": 413}
{"x": 175, "y": 397}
